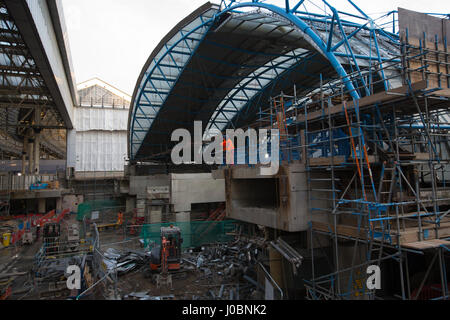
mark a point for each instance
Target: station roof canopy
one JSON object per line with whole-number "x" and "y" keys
{"x": 221, "y": 64}
{"x": 37, "y": 89}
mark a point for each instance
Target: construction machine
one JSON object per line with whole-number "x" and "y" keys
{"x": 166, "y": 257}
{"x": 168, "y": 253}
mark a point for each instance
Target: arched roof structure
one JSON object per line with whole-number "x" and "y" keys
{"x": 221, "y": 63}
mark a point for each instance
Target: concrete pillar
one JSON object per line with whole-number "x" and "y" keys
{"x": 59, "y": 204}
{"x": 154, "y": 213}
{"x": 71, "y": 148}
{"x": 30, "y": 156}
{"x": 24, "y": 156}
{"x": 183, "y": 220}
{"x": 37, "y": 153}
{"x": 130, "y": 204}
{"x": 41, "y": 205}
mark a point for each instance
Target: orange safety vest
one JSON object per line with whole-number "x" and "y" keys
{"x": 228, "y": 145}
{"x": 120, "y": 218}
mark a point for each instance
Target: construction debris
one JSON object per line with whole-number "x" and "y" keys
{"x": 125, "y": 262}
{"x": 289, "y": 253}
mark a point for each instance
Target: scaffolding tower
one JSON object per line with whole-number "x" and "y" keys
{"x": 385, "y": 161}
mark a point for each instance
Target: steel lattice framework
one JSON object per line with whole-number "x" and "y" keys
{"x": 24, "y": 94}
{"x": 221, "y": 62}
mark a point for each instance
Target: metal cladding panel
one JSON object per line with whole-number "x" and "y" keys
{"x": 42, "y": 19}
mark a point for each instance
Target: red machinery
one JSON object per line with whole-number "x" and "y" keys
{"x": 136, "y": 222}
{"x": 167, "y": 256}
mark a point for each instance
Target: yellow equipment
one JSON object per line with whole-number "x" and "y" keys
{"x": 6, "y": 239}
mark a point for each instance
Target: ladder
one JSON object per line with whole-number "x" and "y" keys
{"x": 278, "y": 104}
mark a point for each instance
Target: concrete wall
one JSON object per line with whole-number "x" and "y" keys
{"x": 183, "y": 190}
{"x": 71, "y": 202}
{"x": 138, "y": 185}
{"x": 187, "y": 189}
{"x": 280, "y": 201}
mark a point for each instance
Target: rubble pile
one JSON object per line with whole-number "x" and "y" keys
{"x": 55, "y": 269}
{"x": 210, "y": 272}
{"x": 229, "y": 269}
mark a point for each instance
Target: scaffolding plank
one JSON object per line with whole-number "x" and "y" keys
{"x": 442, "y": 93}
{"x": 342, "y": 230}
{"x": 410, "y": 235}
{"x": 430, "y": 244}
{"x": 366, "y": 101}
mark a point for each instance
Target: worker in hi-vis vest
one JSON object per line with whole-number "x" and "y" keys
{"x": 228, "y": 147}
{"x": 120, "y": 218}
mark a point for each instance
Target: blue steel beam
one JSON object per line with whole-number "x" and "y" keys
{"x": 263, "y": 89}
{"x": 205, "y": 24}
{"x": 293, "y": 16}
{"x": 299, "y": 23}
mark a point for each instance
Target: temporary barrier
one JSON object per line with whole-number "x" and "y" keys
{"x": 195, "y": 233}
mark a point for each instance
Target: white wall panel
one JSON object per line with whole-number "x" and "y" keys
{"x": 101, "y": 151}
{"x": 107, "y": 119}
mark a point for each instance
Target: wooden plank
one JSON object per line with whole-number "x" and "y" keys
{"x": 410, "y": 235}
{"x": 422, "y": 156}
{"x": 422, "y": 245}
{"x": 341, "y": 229}
{"x": 366, "y": 101}
{"x": 442, "y": 93}
{"x": 315, "y": 162}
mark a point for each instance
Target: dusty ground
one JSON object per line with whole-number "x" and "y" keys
{"x": 15, "y": 260}
{"x": 189, "y": 283}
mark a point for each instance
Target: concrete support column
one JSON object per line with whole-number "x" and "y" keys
{"x": 24, "y": 156}
{"x": 59, "y": 204}
{"x": 140, "y": 208}
{"x": 41, "y": 206}
{"x": 183, "y": 220}
{"x": 71, "y": 148}
{"x": 30, "y": 156}
{"x": 37, "y": 153}
{"x": 130, "y": 204}
{"x": 155, "y": 213}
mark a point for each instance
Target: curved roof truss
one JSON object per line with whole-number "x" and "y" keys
{"x": 220, "y": 63}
